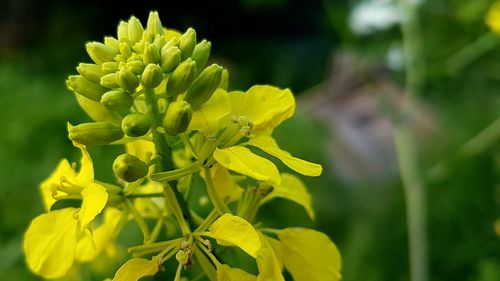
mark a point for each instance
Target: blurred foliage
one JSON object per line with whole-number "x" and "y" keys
{"x": 289, "y": 44}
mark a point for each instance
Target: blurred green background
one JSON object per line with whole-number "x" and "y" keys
{"x": 343, "y": 60}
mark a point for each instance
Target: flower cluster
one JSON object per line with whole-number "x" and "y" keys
{"x": 150, "y": 90}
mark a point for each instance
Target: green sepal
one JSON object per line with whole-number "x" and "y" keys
{"x": 117, "y": 100}
{"x": 201, "y": 53}
{"x": 109, "y": 81}
{"x": 85, "y": 87}
{"x": 151, "y": 54}
{"x": 187, "y": 43}
{"x": 127, "y": 79}
{"x": 95, "y": 133}
{"x": 170, "y": 58}
{"x": 152, "y": 76}
{"x": 181, "y": 78}
{"x": 129, "y": 168}
{"x": 204, "y": 86}
{"x": 177, "y": 118}
{"x": 135, "y": 29}
{"x": 136, "y": 66}
{"x": 136, "y": 124}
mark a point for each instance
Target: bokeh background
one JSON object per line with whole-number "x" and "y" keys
{"x": 344, "y": 62}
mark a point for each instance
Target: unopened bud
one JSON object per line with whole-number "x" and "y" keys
{"x": 177, "y": 118}
{"x": 170, "y": 58}
{"x": 127, "y": 79}
{"x": 100, "y": 53}
{"x": 90, "y": 71}
{"x": 154, "y": 24}
{"x": 152, "y": 76}
{"x": 111, "y": 42}
{"x": 136, "y": 124}
{"x": 187, "y": 43}
{"x": 85, "y": 87}
{"x": 122, "y": 31}
{"x": 181, "y": 77}
{"x": 125, "y": 49}
{"x": 201, "y": 53}
{"x": 135, "y": 29}
{"x": 204, "y": 86}
{"x": 95, "y": 133}
{"x": 129, "y": 168}
{"x": 173, "y": 42}
{"x": 151, "y": 54}
{"x": 136, "y": 66}
{"x": 109, "y": 81}
{"x": 109, "y": 67}
{"x": 159, "y": 41}
{"x": 117, "y": 100}
{"x": 224, "y": 82}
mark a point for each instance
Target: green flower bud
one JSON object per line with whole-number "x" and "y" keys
{"x": 159, "y": 41}
{"x": 224, "y": 82}
{"x": 181, "y": 78}
{"x": 129, "y": 168}
{"x": 170, "y": 58}
{"x": 152, "y": 76}
{"x": 122, "y": 31}
{"x": 95, "y": 133}
{"x": 177, "y": 118}
{"x": 117, "y": 100}
{"x": 201, "y": 53}
{"x": 127, "y": 79}
{"x": 135, "y": 29}
{"x": 173, "y": 42}
{"x": 125, "y": 49}
{"x": 147, "y": 37}
{"x": 136, "y": 66}
{"x": 85, "y": 87}
{"x": 100, "y": 53}
{"x": 154, "y": 24}
{"x": 109, "y": 67}
{"x": 136, "y": 124}
{"x": 111, "y": 42}
{"x": 204, "y": 86}
{"x": 151, "y": 54}
{"x": 90, "y": 71}
{"x": 109, "y": 81}
{"x": 187, "y": 43}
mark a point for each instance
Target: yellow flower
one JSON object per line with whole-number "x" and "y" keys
{"x": 493, "y": 17}
{"x": 50, "y": 243}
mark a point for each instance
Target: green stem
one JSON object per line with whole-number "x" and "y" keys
{"x": 405, "y": 146}
{"x": 146, "y": 195}
{"x": 212, "y": 194}
{"x": 140, "y": 221}
{"x": 472, "y": 52}
{"x": 173, "y": 205}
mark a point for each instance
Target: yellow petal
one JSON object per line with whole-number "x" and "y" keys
{"x": 241, "y": 160}
{"x": 94, "y": 200}
{"x": 141, "y": 148}
{"x": 293, "y": 189}
{"x": 136, "y": 268}
{"x": 309, "y": 255}
{"x": 50, "y": 242}
{"x": 206, "y": 118}
{"x": 268, "y": 262}
{"x": 63, "y": 170}
{"x": 226, "y": 187}
{"x": 103, "y": 235}
{"x": 233, "y": 230}
{"x": 269, "y": 145}
{"x": 150, "y": 207}
{"x": 226, "y": 273}
{"x": 265, "y": 105}
{"x": 86, "y": 174}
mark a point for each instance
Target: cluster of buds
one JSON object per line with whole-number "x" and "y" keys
{"x": 150, "y": 90}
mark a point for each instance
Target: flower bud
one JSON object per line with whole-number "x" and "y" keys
{"x": 125, "y": 49}
{"x": 90, "y": 71}
{"x": 129, "y": 168}
{"x": 109, "y": 81}
{"x": 127, "y": 79}
{"x": 122, "y": 31}
{"x": 170, "y": 58}
{"x": 136, "y": 66}
{"x": 111, "y": 42}
{"x": 95, "y": 133}
{"x": 151, "y": 54}
{"x": 181, "y": 78}
{"x": 187, "y": 43}
{"x": 159, "y": 41}
{"x": 109, "y": 67}
{"x": 136, "y": 124}
{"x": 224, "y": 82}
{"x": 201, "y": 53}
{"x": 135, "y": 29}
{"x": 100, "y": 53}
{"x": 204, "y": 86}
{"x": 154, "y": 24}
{"x": 152, "y": 76}
{"x": 173, "y": 42}
{"x": 117, "y": 100}
{"x": 85, "y": 87}
{"x": 177, "y": 118}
